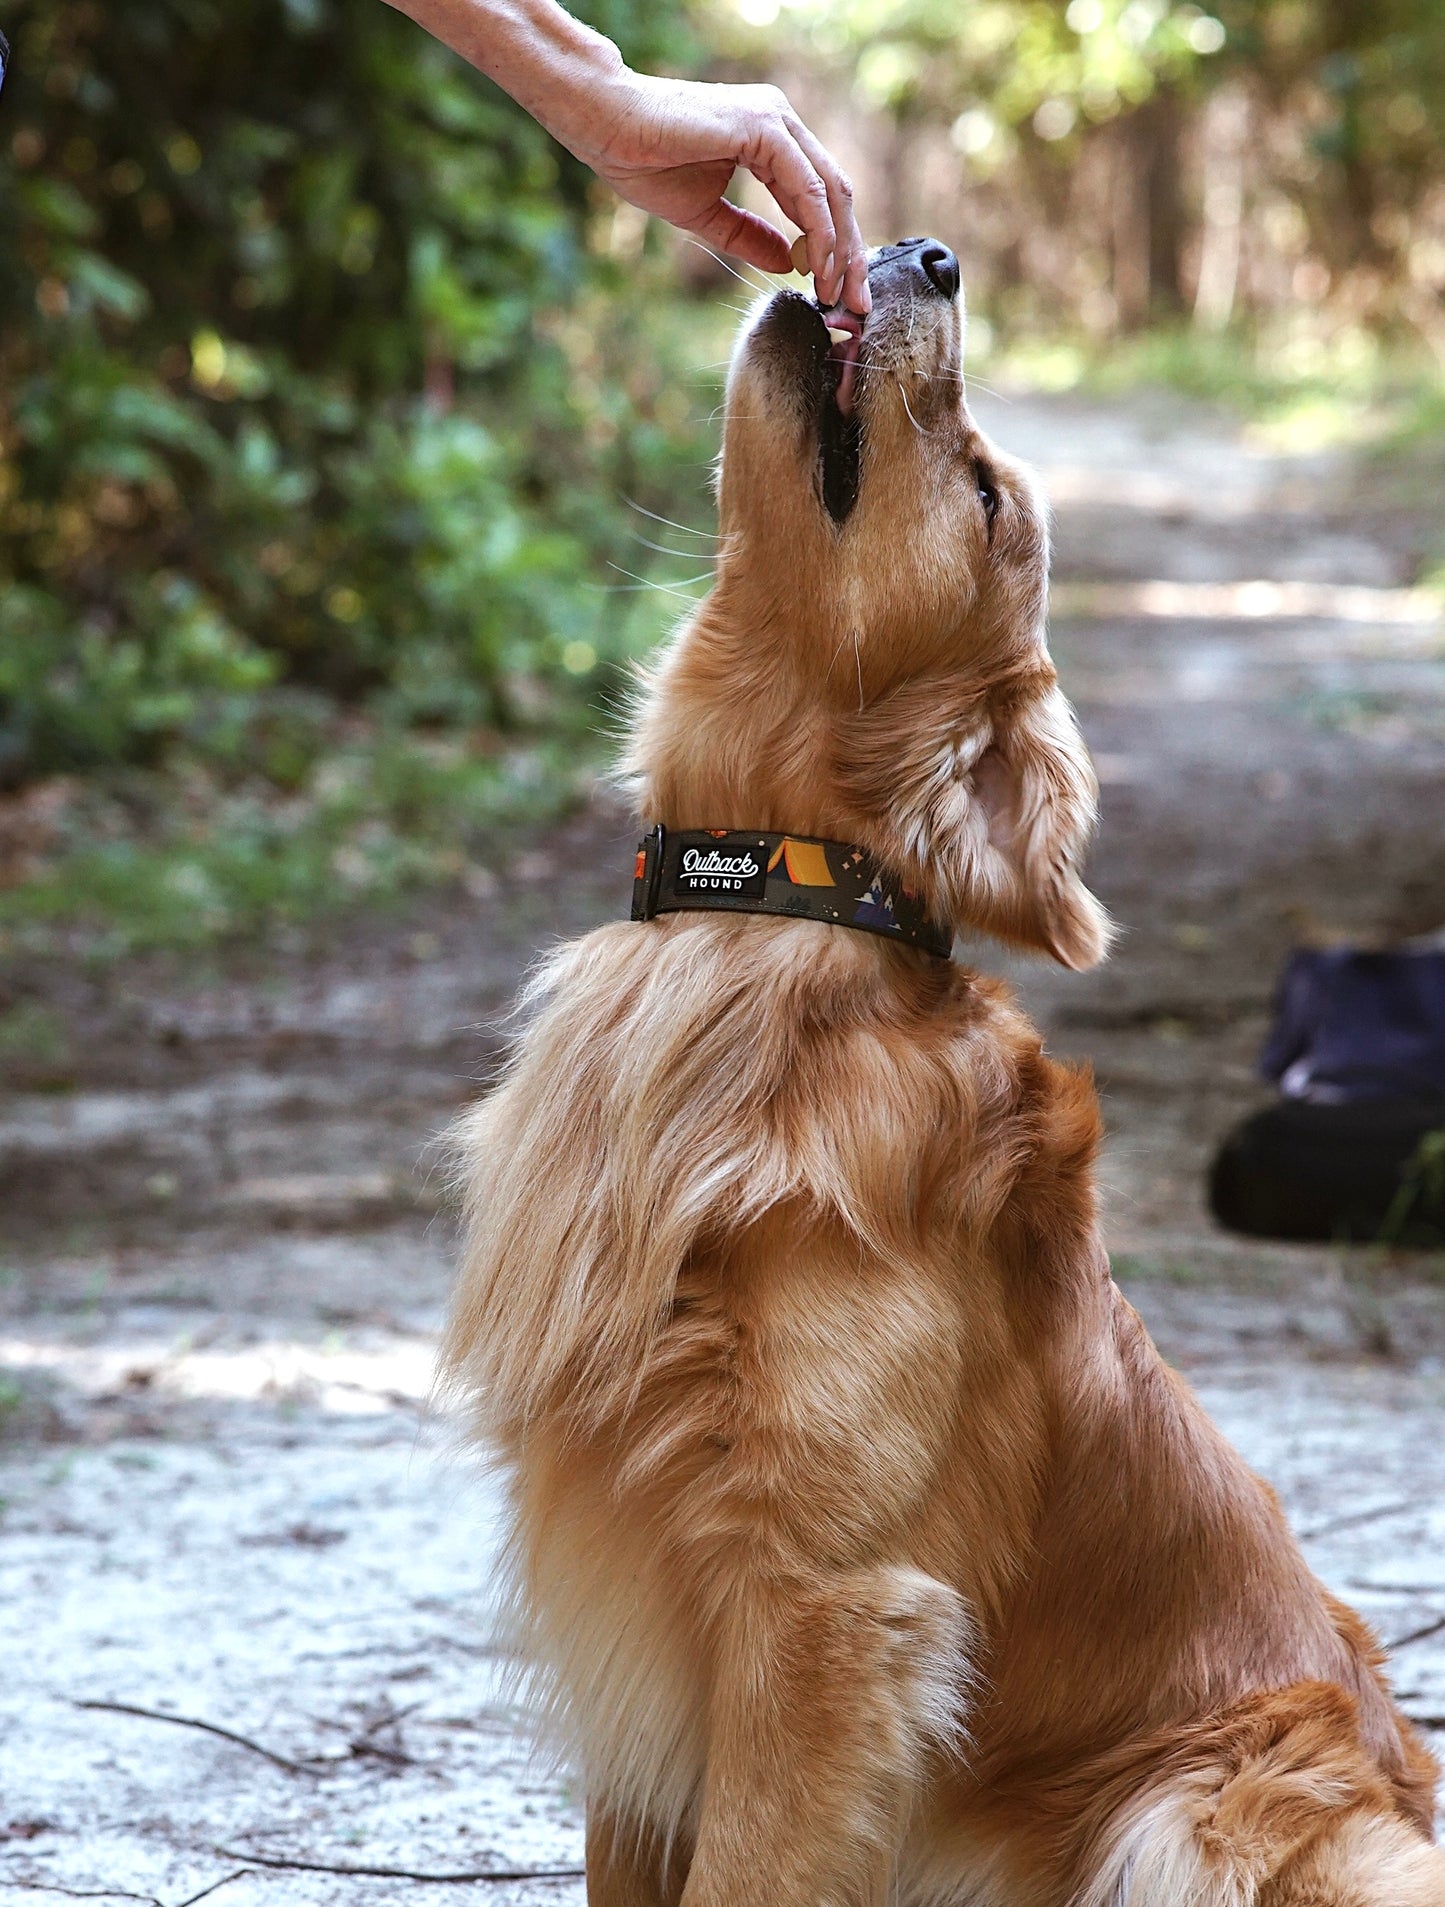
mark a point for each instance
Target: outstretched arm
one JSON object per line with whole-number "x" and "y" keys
{"x": 670, "y": 146}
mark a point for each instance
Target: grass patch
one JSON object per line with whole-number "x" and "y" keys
{"x": 1137, "y": 1267}
{"x": 32, "y": 1035}
{"x": 177, "y": 860}
{"x": 1375, "y": 716}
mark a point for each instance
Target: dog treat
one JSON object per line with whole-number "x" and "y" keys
{"x": 800, "y": 255}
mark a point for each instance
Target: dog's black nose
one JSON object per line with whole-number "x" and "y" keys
{"x": 941, "y": 267}
{"x": 924, "y": 265}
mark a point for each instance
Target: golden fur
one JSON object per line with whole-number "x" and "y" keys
{"x": 863, "y": 1549}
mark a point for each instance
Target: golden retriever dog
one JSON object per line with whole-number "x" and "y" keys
{"x": 863, "y": 1549}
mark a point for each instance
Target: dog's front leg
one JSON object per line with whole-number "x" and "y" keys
{"x": 629, "y": 1866}
{"x": 829, "y": 1697}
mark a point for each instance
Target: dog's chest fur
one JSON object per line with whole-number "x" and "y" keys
{"x": 804, "y": 1410}
{"x": 766, "y": 1336}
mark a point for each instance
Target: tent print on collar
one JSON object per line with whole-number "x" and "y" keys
{"x": 804, "y": 862}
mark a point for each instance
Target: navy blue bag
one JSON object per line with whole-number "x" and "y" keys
{"x": 1355, "y": 1148}
{"x": 1353, "y": 1025}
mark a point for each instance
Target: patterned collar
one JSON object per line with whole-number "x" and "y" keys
{"x": 736, "y": 871}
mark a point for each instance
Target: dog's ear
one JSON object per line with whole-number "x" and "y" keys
{"x": 1033, "y": 803}
{"x": 987, "y": 804}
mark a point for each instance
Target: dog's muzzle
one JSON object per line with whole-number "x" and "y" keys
{"x": 827, "y": 347}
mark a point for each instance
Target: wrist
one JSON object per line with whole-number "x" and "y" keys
{"x": 589, "y": 91}
{"x": 561, "y": 71}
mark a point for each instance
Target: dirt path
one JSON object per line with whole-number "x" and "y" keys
{"x": 225, "y": 1256}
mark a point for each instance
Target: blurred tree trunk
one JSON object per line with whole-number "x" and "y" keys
{"x": 1129, "y": 231}
{"x": 1349, "y": 30}
{"x": 1162, "y": 119}
{"x": 1147, "y": 213}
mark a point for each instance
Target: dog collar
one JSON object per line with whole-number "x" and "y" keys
{"x": 733, "y": 871}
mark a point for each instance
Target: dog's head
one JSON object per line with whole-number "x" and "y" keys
{"x": 877, "y": 626}
{"x": 856, "y": 480}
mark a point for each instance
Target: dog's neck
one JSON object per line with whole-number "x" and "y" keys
{"x": 968, "y": 783}
{"x": 736, "y": 729}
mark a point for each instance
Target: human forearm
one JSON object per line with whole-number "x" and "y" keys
{"x": 537, "y": 52}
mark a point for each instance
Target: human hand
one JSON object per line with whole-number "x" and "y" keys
{"x": 671, "y": 146}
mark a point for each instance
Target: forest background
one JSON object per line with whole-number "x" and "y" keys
{"x": 340, "y": 410}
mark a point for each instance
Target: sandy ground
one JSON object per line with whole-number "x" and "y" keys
{"x": 226, "y": 1252}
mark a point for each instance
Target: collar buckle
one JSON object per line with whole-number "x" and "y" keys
{"x": 647, "y": 875}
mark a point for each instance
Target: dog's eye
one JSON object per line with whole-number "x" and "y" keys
{"x": 987, "y": 493}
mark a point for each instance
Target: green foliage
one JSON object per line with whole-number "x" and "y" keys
{"x": 381, "y": 813}
{"x": 1123, "y": 161}
{"x": 285, "y": 403}
{"x": 1415, "y": 1214}
{"x": 1005, "y": 58}
{"x": 1379, "y": 69}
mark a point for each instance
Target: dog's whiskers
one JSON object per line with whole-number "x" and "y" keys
{"x": 968, "y": 377}
{"x": 857, "y": 657}
{"x": 671, "y": 522}
{"x": 678, "y": 588}
{"x": 909, "y": 409}
{"x": 664, "y": 549}
{"x": 751, "y": 283}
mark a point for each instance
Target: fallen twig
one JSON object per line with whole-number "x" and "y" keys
{"x": 362, "y": 1748}
{"x": 83, "y": 1893}
{"x": 190, "y": 1900}
{"x": 1358, "y": 1517}
{"x": 365, "y": 1743}
{"x": 122, "y": 1893}
{"x": 1416, "y": 1635}
{"x": 443, "y": 1879}
{"x": 207, "y": 1728}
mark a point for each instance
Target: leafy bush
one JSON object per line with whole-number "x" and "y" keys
{"x": 285, "y": 408}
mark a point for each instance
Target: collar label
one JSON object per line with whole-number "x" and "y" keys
{"x": 739, "y": 871}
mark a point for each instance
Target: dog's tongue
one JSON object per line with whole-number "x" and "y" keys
{"x": 845, "y": 328}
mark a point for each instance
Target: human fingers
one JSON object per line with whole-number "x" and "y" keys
{"x": 743, "y": 234}
{"x": 775, "y": 158}
{"x": 850, "y": 255}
